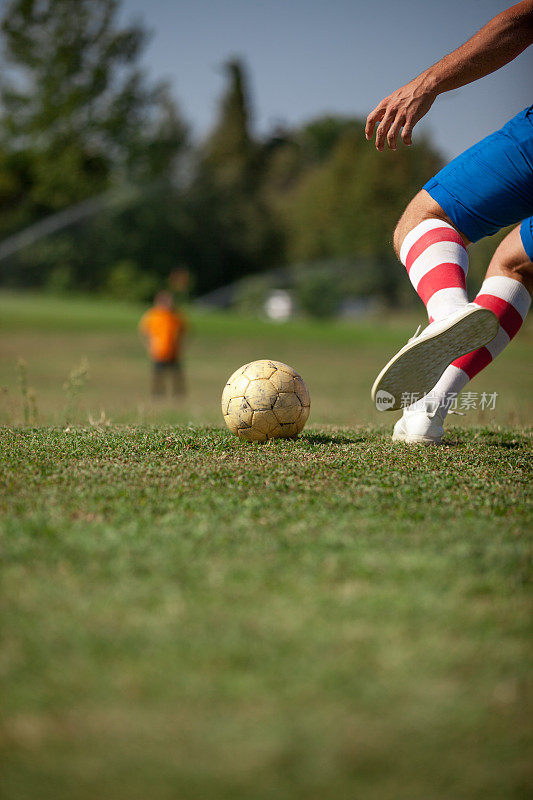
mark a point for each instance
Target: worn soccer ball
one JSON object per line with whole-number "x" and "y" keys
{"x": 265, "y": 400}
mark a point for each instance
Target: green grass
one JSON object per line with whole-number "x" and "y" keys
{"x": 338, "y": 361}
{"x": 337, "y": 617}
{"x": 184, "y": 616}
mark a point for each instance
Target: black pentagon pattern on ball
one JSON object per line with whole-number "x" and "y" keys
{"x": 265, "y": 400}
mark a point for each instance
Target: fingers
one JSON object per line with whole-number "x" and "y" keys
{"x": 375, "y": 116}
{"x": 383, "y": 128}
{"x": 408, "y": 130}
{"x": 392, "y": 117}
{"x": 394, "y": 130}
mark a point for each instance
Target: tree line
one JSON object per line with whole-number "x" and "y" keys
{"x": 78, "y": 119}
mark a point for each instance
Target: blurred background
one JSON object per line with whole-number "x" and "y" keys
{"x": 216, "y": 150}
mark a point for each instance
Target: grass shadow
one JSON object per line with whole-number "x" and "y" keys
{"x": 506, "y": 445}
{"x": 324, "y": 438}
{"x": 495, "y": 443}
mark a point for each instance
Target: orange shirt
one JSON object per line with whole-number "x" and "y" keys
{"x": 164, "y": 329}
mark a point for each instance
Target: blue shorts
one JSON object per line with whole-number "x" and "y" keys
{"x": 490, "y": 185}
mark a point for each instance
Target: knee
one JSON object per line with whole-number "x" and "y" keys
{"x": 398, "y": 236}
{"x": 521, "y": 271}
{"x": 410, "y": 218}
{"x": 415, "y": 212}
{"x": 511, "y": 260}
{"x": 421, "y": 207}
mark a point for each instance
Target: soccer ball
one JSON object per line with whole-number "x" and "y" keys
{"x": 265, "y": 400}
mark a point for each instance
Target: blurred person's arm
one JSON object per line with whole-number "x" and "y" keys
{"x": 501, "y": 40}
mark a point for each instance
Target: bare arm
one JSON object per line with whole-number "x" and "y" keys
{"x": 503, "y": 38}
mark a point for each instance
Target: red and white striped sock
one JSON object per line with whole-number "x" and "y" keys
{"x": 437, "y": 262}
{"x": 510, "y": 301}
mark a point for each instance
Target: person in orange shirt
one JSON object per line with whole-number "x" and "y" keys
{"x": 162, "y": 328}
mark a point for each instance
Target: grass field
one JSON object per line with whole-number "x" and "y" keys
{"x": 338, "y": 361}
{"x": 188, "y": 617}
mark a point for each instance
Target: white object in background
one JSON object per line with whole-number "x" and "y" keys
{"x": 279, "y": 306}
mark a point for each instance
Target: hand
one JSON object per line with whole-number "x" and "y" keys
{"x": 401, "y": 109}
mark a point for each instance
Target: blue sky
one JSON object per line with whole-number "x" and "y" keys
{"x": 309, "y": 57}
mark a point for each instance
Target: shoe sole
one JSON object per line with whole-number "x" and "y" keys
{"x": 416, "y": 368}
{"x": 412, "y": 439}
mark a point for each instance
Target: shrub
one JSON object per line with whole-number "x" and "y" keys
{"x": 127, "y": 282}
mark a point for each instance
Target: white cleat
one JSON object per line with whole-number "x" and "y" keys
{"x": 416, "y": 368}
{"x": 419, "y": 426}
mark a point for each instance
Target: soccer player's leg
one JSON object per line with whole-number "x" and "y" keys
{"x": 506, "y": 291}
{"x": 178, "y": 379}
{"x": 434, "y": 253}
{"x": 486, "y": 188}
{"x": 158, "y": 379}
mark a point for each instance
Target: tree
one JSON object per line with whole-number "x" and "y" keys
{"x": 228, "y": 154}
{"x": 346, "y": 197}
{"x": 76, "y": 113}
{"x": 72, "y": 93}
{"x": 233, "y": 233}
